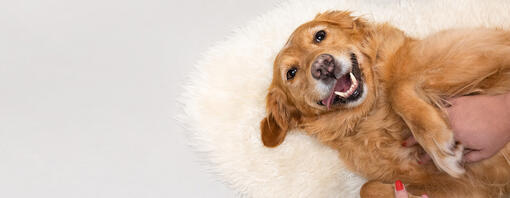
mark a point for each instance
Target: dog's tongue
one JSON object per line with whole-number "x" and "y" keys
{"x": 342, "y": 85}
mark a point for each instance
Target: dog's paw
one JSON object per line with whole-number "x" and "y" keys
{"x": 445, "y": 153}
{"x": 451, "y": 163}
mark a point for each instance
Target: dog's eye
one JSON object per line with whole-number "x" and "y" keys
{"x": 319, "y": 36}
{"x": 291, "y": 73}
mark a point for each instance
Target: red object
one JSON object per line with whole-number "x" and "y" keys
{"x": 404, "y": 144}
{"x": 399, "y": 186}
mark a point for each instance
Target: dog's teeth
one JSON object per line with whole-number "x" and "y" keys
{"x": 342, "y": 94}
{"x": 353, "y": 79}
{"x": 351, "y": 89}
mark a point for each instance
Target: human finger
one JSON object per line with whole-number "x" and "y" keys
{"x": 400, "y": 191}
{"x": 474, "y": 156}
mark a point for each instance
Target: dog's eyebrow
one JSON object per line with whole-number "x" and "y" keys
{"x": 316, "y": 28}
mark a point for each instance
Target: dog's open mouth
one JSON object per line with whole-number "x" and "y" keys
{"x": 347, "y": 88}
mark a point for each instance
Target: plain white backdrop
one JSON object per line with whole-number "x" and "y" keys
{"x": 88, "y": 95}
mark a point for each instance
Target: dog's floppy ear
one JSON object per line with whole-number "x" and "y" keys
{"x": 280, "y": 115}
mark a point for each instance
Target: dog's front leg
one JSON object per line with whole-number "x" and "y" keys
{"x": 428, "y": 127}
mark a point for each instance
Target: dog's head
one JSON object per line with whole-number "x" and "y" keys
{"x": 323, "y": 69}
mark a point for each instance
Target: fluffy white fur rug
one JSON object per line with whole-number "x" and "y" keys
{"x": 224, "y": 102}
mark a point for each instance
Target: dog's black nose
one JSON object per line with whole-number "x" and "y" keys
{"x": 323, "y": 67}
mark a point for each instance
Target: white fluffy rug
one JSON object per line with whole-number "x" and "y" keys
{"x": 224, "y": 102}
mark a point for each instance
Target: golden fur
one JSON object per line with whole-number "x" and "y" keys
{"x": 407, "y": 83}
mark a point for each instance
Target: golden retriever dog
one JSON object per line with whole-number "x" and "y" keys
{"x": 362, "y": 88}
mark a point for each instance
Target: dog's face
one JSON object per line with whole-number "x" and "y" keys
{"x": 320, "y": 70}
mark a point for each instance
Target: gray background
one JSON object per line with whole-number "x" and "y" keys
{"x": 87, "y": 95}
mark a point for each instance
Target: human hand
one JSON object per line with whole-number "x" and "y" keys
{"x": 400, "y": 191}
{"x": 481, "y": 123}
